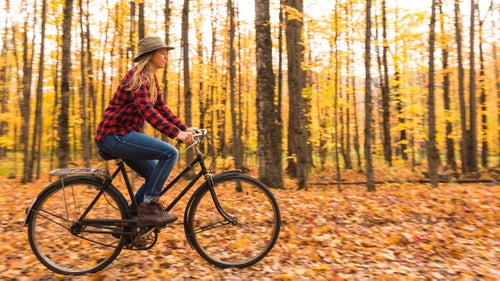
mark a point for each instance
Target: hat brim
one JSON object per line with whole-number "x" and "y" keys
{"x": 139, "y": 56}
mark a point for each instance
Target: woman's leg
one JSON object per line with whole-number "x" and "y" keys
{"x": 138, "y": 150}
{"x": 144, "y": 168}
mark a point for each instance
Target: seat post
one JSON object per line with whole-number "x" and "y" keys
{"x": 128, "y": 184}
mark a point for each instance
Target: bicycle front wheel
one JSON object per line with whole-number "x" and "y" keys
{"x": 243, "y": 238}
{"x": 60, "y": 241}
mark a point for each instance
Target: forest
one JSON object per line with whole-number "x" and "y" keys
{"x": 292, "y": 87}
{"x": 375, "y": 122}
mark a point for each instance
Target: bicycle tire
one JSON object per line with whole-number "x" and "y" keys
{"x": 53, "y": 231}
{"x": 244, "y": 243}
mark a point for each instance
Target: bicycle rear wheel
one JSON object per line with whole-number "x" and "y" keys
{"x": 249, "y": 237}
{"x": 60, "y": 241}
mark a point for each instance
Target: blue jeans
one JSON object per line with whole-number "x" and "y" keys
{"x": 151, "y": 158}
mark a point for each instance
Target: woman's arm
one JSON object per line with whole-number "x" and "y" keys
{"x": 160, "y": 118}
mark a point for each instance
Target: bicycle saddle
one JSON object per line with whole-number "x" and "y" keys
{"x": 106, "y": 156}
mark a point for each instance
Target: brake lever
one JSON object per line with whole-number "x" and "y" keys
{"x": 192, "y": 144}
{"x": 198, "y": 135}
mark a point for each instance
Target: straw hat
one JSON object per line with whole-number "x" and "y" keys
{"x": 149, "y": 44}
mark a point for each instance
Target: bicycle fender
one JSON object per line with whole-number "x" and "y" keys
{"x": 216, "y": 177}
{"x": 227, "y": 173}
{"x": 28, "y": 210}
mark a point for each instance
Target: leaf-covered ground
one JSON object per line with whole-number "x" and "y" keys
{"x": 400, "y": 232}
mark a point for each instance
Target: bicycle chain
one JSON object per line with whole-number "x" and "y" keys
{"x": 143, "y": 241}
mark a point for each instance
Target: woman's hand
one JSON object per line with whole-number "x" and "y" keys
{"x": 185, "y": 136}
{"x": 192, "y": 129}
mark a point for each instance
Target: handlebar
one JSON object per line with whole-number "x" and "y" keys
{"x": 200, "y": 133}
{"x": 198, "y": 136}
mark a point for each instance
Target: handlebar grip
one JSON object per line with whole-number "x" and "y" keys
{"x": 200, "y": 133}
{"x": 198, "y": 136}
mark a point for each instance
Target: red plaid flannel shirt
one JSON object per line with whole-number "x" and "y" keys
{"x": 127, "y": 111}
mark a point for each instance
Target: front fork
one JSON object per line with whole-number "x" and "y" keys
{"x": 211, "y": 186}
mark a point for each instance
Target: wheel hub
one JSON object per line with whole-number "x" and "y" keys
{"x": 76, "y": 228}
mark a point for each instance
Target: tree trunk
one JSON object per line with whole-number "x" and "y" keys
{"x": 17, "y": 142}
{"x": 186, "y": 69}
{"x": 84, "y": 84}
{"x": 25, "y": 106}
{"x": 142, "y": 28}
{"x": 91, "y": 91}
{"x": 403, "y": 140}
{"x": 353, "y": 83}
{"x": 370, "y": 182}
{"x": 432, "y": 153}
{"x": 472, "y": 147}
{"x": 132, "y": 24}
{"x": 323, "y": 117}
{"x": 337, "y": 133}
{"x": 207, "y": 101}
{"x": 4, "y": 93}
{"x": 484, "y": 113}
{"x": 54, "y": 116}
{"x": 464, "y": 143}
{"x": 298, "y": 149}
{"x": 268, "y": 128}
{"x": 63, "y": 149}
{"x": 497, "y": 87}
{"x": 356, "y": 138}
{"x": 168, "y": 12}
{"x": 237, "y": 148}
{"x": 103, "y": 70}
{"x": 38, "y": 128}
{"x": 280, "y": 68}
{"x": 450, "y": 143}
{"x": 386, "y": 122}
{"x": 202, "y": 95}
{"x": 347, "y": 147}
{"x": 401, "y": 149}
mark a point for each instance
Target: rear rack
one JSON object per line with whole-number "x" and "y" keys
{"x": 98, "y": 172}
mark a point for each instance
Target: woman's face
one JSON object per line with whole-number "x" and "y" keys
{"x": 159, "y": 59}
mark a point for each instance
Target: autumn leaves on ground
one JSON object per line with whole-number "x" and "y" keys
{"x": 400, "y": 232}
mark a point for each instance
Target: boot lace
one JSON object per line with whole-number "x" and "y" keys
{"x": 157, "y": 205}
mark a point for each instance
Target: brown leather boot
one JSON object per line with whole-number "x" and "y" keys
{"x": 154, "y": 212}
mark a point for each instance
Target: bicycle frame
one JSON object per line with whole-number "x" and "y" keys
{"x": 121, "y": 169}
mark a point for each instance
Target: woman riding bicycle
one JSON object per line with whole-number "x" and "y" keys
{"x": 136, "y": 101}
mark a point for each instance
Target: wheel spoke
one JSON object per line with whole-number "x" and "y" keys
{"x": 211, "y": 226}
{"x": 41, "y": 212}
{"x": 249, "y": 237}
{"x": 65, "y": 245}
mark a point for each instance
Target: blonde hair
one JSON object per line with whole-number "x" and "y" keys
{"x": 143, "y": 74}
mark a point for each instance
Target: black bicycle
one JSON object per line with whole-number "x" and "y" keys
{"x": 80, "y": 223}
